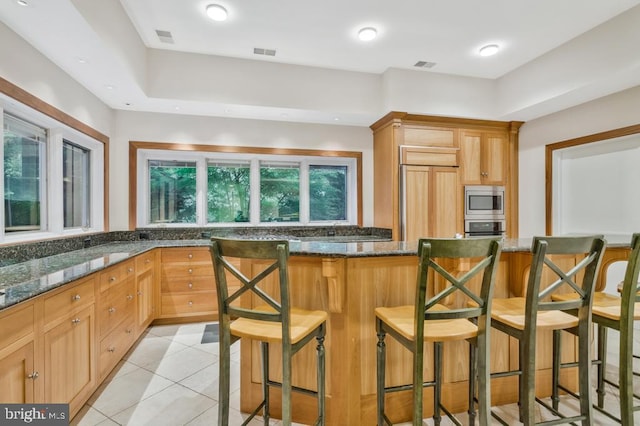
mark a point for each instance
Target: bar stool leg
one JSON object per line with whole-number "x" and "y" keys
{"x": 286, "y": 386}
{"x": 224, "y": 373}
{"x": 472, "y": 382}
{"x": 555, "y": 369}
{"x": 626, "y": 373}
{"x": 380, "y": 368}
{"x": 437, "y": 389}
{"x": 602, "y": 365}
{"x": 321, "y": 379}
{"x": 584, "y": 374}
{"x": 265, "y": 381}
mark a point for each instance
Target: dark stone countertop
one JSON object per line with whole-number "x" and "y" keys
{"x": 28, "y": 279}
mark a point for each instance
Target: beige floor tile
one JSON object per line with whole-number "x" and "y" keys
{"x": 206, "y": 381}
{"x": 88, "y": 416}
{"x": 210, "y": 417}
{"x": 173, "y": 406}
{"x": 182, "y": 364}
{"x": 152, "y": 349}
{"x": 127, "y": 390}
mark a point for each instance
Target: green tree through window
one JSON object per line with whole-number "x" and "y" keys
{"x": 228, "y": 192}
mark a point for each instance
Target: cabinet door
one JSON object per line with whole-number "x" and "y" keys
{"x": 446, "y": 210}
{"x": 494, "y": 158}
{"x": 69, "y": 359}
{"x": 483, "y": 158}
{"x": 145, "y": 308}
{"x": 17, "y": 376}
{"x": 470, "y": 157}
{"x": 416, "y": 202}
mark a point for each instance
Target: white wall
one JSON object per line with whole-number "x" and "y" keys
{"x": 607, "y": 113}
{"x": 25, "y": 67}
{"x": 174, "y": 128}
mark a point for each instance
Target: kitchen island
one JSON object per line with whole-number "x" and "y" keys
{"x": 347, "y": 280}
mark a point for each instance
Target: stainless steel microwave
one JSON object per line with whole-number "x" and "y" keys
{"x": 483, "y": 202}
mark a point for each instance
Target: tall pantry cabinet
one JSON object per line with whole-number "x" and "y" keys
{"x": 422, "y": 163}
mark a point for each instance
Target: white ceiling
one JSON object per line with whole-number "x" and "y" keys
{"x": 118, "y": 41}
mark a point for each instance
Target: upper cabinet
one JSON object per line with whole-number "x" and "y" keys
{"x": 484, "y": 157}
{"x": 454, "y": 152}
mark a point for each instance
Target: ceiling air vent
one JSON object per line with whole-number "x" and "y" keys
{"x": 165, "y": 36}
{"x": 261, "y": 51}
{"x": 424, "y": 64}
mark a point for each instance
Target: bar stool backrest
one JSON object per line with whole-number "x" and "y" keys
{"x": 579, "y": 278}
{"x": 277, "y": 251}
{"x": 485, "y": 252}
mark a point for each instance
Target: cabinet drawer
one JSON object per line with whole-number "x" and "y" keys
{"x": 199, "y": 269}
{"x": 61, "y": 304}
{"x": 116, "y": 274}
{"x": 16, "y": 323}
{"x": 145, "y": 261}
{"x": 185, "y": 304}
{"x": 115, "y": 345}
{"x": 421, "y": 156}
{"x": 188, "y": 284}
{"x": 187, "y": 254}
{"x": 418, "y": 135}
{"x": 115, "y": 305}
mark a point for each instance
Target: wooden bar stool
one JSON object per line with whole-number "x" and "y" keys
{"x": 522, "y": 317}
{"x": 270, "y": 322}
{"x": 617, "y": 313}
{"x": 430, "y": 320}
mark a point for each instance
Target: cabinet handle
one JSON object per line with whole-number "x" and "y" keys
{"x": 190, "y": 271}
{"x": 75, "y": 297}
{"x": 147, "y": 261}
{"x": 112, "y": 349}
{"x": 112, "y": 279}
{"x": 129, "y": 297}
{"x": 112, "y": 310}
{"x": 75, "y": 321}
{"x": 190, "y": 285}
{"x": 190, "y": 303}
{"x": 33, "y": 375}
{"x": 129, "y": 269}
{"x": 128, "y": 331}
{"x": 190, "y": 256}
{"x": 139, "y": 293}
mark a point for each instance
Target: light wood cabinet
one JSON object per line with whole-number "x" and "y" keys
{"x": 69, "y": 345}
{"x": 431, "y": 205}
{"x": 145, "y": 290}
{"x": 116, "y": 314}
{"x": 187, "y": 285}
{"x": 18, "y": 374}
{"x": 484, "y": 157}
{"x": 478, "y": 151}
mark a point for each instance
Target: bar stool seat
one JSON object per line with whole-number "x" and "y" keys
{"x": 511, "y": 312}
{"x": 303, "y": 322}
{"x": 401, "y": 320}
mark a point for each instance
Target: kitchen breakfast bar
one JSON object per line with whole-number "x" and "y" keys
{"x": 347, "y": 280}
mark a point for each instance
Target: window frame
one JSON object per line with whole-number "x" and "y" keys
{"x": 52, "y": 220}
{"x": 141, "y": 152}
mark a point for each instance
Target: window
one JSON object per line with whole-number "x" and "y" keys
{"x": 24, "y": 153}
{"x": 228, "y": 192}
{"x": 279, "y": 192}
{"x": 328, "y": 192}
{"x": 172, "y": 190}
{"x": 205, "y": 188}
{"x": 53, "y": 177}
{"x": 75, "y": 186}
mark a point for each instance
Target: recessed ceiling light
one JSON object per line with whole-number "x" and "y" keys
{"x": 22, "y": 2}
{"x": 489, "y": 50}
{"x": 217, "y": 12}
{"x": 367, "y": 34}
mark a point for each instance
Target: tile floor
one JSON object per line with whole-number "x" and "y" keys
{"x": 170, "y": 378}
